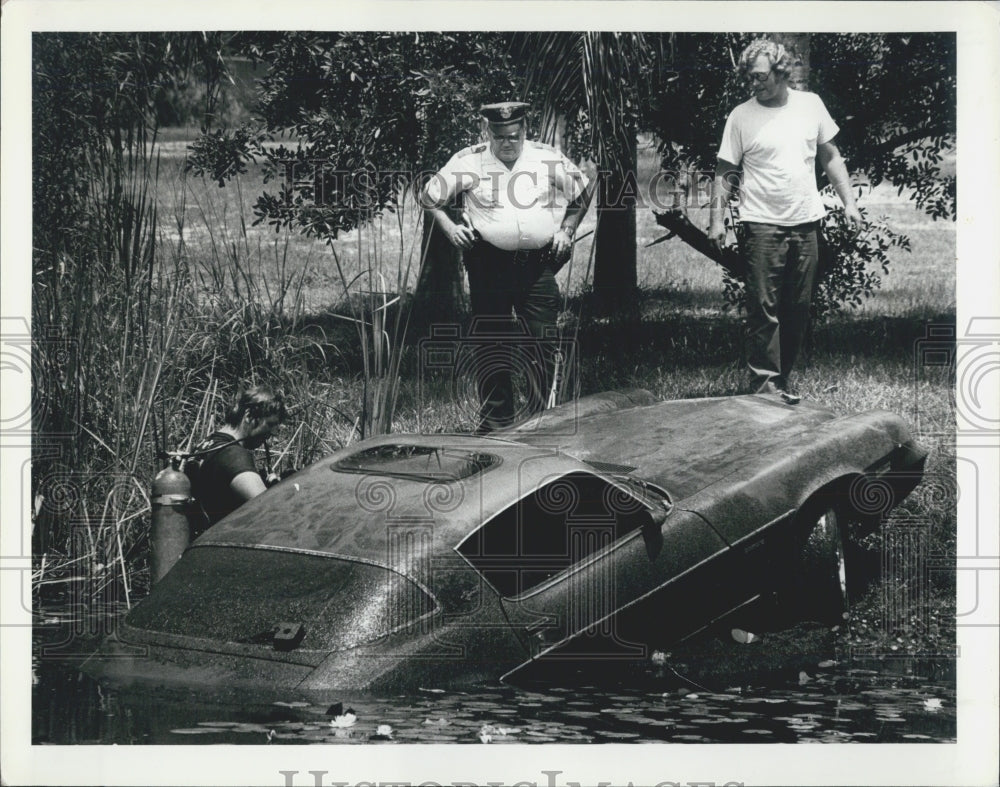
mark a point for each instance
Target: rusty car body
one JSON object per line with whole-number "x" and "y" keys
{"x": 594, "y": 532}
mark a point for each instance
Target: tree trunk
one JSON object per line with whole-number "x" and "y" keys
{"x": 615, "y": 280}
{"x": 553, "y": 132}
{"x": 799, "y": 44}
{"x": 440, "y": 292}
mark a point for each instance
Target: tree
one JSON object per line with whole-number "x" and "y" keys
{"x": 372, "y": 114}
{"x": 350, "y": 126}
{"x": 394, "y": 102}
{"x": 894, "y": 96}
{"x": 799, "y": 45}
{"x": 601, "y": 82}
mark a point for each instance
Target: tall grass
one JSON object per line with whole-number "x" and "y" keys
{"x": 108, "y": 315}
{"x": 377, "y": 297}
{"x": 171, "y": 316}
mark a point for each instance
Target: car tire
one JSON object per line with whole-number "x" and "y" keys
{"x": 815, "y": 588}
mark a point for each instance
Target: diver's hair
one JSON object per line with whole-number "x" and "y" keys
{"x": 259, "y": 402}
{"x": 781, "y": 59}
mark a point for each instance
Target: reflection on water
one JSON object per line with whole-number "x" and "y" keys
{"x": 827, "y": 702}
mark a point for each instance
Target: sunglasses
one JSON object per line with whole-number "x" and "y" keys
{"x": 759, "y": 77}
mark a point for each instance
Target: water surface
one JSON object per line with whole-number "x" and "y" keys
{"x": 814, "y": 701}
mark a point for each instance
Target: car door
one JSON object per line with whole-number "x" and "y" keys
{"x": 600, "y": 566}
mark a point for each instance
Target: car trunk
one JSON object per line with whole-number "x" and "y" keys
{"x": 276, "y": 605}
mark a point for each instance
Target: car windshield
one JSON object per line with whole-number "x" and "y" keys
{"x": 417, "y": 462}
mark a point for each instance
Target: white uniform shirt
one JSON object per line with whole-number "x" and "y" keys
{"x": 514, "y": 209}
{"x": 777, "y": 149}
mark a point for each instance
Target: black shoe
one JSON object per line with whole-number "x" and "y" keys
{"x": 771, "y": 388}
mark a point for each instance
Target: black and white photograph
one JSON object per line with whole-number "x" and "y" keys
{"x": 422, "y": 379}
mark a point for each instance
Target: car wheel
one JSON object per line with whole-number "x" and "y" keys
{"x": 816, "y": 586}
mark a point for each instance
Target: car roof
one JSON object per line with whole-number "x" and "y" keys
{"x": 326, "y": 509}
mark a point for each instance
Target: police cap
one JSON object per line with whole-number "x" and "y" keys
{"x": 504, "y": 112}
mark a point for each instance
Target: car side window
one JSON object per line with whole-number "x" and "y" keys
{"x": 551, "y": 529}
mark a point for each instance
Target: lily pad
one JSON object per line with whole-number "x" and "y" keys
{"x": 195, "y": 731}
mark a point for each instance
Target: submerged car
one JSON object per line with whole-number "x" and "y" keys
{"x": 591, "y": 533}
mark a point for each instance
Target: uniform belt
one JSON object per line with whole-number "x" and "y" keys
{"x": 517, "y": 257}
{"x": 530, "y": 256}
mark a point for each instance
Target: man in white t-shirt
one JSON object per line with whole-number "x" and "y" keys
{"x": 514, "y": 236}
{"x": 776, "y": 137}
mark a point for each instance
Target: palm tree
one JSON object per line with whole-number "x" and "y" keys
{"x": 603, "y": 81}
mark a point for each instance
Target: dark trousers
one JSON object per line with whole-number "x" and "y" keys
{"x": 783, "y": 263}
{"x": 515, "y": 302}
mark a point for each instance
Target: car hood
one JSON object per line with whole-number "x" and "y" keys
{"x": 683, "y": 445}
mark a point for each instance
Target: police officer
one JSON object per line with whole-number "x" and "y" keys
{"x": 513, "y": 239}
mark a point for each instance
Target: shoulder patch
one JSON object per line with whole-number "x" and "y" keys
{"x": 479, "y": 147}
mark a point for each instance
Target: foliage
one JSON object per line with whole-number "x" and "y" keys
{"x": 102, "y": 308}
{"x": 212, "y": 91}
{"x": 222, "y": 155}
{"x": 369, "y": 113}
{"x": 894, "y": 97}
{"x": 126, "y": 349}
{"x": 849, "y": 266}
{"x": 887, "y": 92}
{"x": 348, "y": 125}
{"x": 846, "y": 272}
{"x": 602, "y": 81}
{"x": 700, "y": 88}
{"x": 93, "y": 109}
{"x": 142, "y": 342}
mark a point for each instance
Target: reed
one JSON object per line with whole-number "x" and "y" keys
{"x": 110, "y": 317}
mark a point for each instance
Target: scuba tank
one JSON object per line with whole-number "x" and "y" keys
{"x": 177, "y": 515}
{"x": 170, "y": 525}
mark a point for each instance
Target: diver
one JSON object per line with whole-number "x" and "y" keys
{"x": 225, "y": 475}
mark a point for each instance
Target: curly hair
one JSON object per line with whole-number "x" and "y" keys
{"x": 781, "y": 59}
{"x": 258, "y": 402}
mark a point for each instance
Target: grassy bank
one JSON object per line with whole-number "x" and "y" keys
{"x": 227, "y": 302}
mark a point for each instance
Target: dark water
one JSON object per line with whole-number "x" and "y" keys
{"x": 826, "y": 700}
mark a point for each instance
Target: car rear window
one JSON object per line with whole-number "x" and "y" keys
{"x": 240, "y": 595}
{"x": 417, "y": 462}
